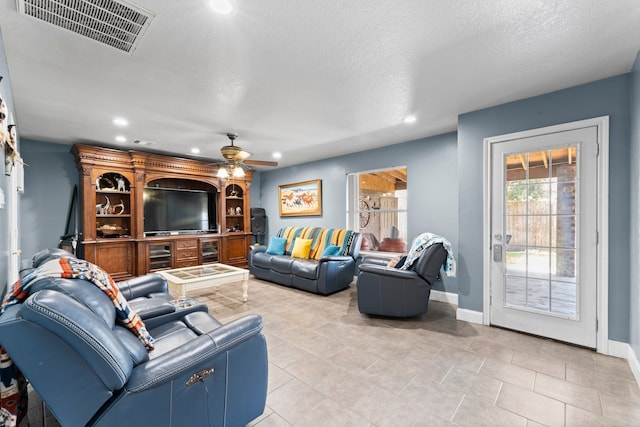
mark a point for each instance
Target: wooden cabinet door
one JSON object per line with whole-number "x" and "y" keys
{"x": 209, "y": 250}
{"x": 236, "y": 249}
{"x": 116, "y": 259}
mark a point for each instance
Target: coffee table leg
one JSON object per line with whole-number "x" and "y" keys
{"x": 245, "y": 289}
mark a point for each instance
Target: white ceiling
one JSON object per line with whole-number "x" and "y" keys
{"x": 312, "y": 79}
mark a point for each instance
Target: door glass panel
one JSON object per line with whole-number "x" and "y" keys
{"x": 538, "y": 198}
{"x": 538, "y": 263}
{"x": 515, "y": 290}
{"x": 515, "y": 231}
{"x": 563, "y": 295}
{"x": 566, "y": 231}
{"x": 540, "y": 229}
{"x": 538, "y": 297}
{"x": 564, "y": 164}
{"x": 565, "y": 265}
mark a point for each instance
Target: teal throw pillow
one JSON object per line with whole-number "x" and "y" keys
{"x": 331, "y": 250}
{"x": 276, "y": 245}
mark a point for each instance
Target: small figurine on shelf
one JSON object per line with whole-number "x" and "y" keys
{"x": 114, "y": 208}
{"x": 238, "y": 211}
{"x": 120, "y": 182}
{"x": 98, "y": 182}
{"x": 103, "y": 209}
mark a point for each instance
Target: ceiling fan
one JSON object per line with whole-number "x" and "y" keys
{"x": 235, "y": 155}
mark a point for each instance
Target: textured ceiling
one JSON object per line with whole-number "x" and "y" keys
{"x": 311, "y": 79}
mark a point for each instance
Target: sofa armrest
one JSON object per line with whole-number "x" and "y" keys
{"x": 143, "y": 286}
{"x": 339, "y": 258}
{"x": 255, "y": 249}
{"x": 252, "y": 251}
{"x": 188, "y": 357}
{"x": 387, "y": 271}
{"x": 375, "y": 261}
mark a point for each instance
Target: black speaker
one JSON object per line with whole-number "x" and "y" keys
{"x": 258, "y": 221}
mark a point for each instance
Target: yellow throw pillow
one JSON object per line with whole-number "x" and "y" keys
{"x": 301, "y": 248}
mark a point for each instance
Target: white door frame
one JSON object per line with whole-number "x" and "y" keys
{"x": 602, "y": 251}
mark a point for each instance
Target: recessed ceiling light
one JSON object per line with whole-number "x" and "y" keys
{"x": 277, "y": 155}
{"x": 120, "y": 121}
{"x": 195, "y": 150}
{"x": 222, "y": 7}
{"x": 410, "y": 119}
{"x": 121, "y": 138}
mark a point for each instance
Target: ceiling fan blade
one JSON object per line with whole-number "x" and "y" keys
{"x": 233, "y": 153}
{"x": 260, "y": 163}
{"x": 241, "y": 155}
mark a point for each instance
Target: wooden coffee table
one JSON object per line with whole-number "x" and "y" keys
{"x": 206, "y": 276}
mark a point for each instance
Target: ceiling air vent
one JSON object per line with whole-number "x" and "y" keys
{"x": 140, "y": 142}
{"x": 115, "y": 23}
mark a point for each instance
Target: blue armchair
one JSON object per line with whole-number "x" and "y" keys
{"x": 389, "y": 291}
{"x": 91, "y": 371}
{"x": 147, "y": 295}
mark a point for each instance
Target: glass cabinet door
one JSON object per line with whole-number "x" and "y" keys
{"x": 159, "y": 256}
{"x": 209, "y": 251}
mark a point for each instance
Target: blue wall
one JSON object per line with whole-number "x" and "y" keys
{"x": 634, "y": 225}
{"x": 431, "y": 188}
{"x": 49, "y": 181}
{"x": 5, "y": 91}
{"x": 600, "y": 98}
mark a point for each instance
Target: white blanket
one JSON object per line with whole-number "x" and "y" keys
{"x": 422, "y": 242}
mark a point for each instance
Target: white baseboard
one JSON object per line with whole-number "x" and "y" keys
{"x": 625, "y": 351}
{"x": 443, "y": 296}
{"x": 618, "y": 349}
{"x": 470, "y": 316}
{"x": 632, "y": 359}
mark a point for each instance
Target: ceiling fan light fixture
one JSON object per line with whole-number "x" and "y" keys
{"x": 238, "y": 172}
{"x": 222, "y": 173}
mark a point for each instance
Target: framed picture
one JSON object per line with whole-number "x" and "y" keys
{"x": 301, "y": 198}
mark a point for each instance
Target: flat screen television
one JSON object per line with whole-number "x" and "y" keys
{"x": 179, "y": 211}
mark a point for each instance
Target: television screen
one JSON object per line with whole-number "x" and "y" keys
{"x": 173, "y": 210}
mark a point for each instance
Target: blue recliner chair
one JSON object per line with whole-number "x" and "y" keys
{"x": 90, "y": 371}
{"x": 389, "y": 291}
{"x": 147, "y": 295}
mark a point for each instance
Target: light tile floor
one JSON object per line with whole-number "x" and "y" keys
{"x": 329, "y": 365}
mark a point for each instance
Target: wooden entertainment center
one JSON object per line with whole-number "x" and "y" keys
{"x": 112, "y": 184}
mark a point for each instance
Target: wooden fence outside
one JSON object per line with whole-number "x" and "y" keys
{"x": 538, "y": 225}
